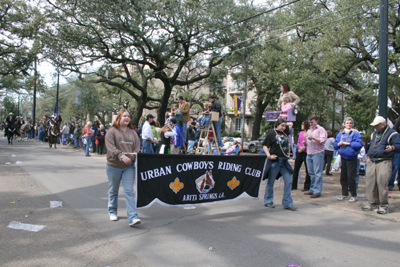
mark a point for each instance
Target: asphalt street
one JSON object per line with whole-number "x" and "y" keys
{"x": 237, "y": 233}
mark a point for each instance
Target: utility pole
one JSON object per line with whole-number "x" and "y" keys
{"x": 244, "y": 95}
{"x": 34, "y": 94}
{"x": 383, "y": 59}
{"x": 58, "y": 88}
{"x": 18, "y": 104}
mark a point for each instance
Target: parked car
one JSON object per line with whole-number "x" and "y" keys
{"x": 255, "y": 145}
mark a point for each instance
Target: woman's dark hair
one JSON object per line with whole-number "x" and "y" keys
{"x": 279, "y": 121}
{"x": 286, "y": 87}
{"x": 306, "y": 125}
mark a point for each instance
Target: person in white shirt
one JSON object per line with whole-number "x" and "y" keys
{"x": 147, "y": 135}
{"x": 226, "y": 145}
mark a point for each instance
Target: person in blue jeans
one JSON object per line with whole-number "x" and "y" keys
{"x": 395, "y": 162}
{"x": 41, "y": 132}
{"x": 147, "y": 135}
{"x": 217, "y": 124}
{"x": 205, "y": 117}
{"x": 315, "y": 144}
{"x": 122, "y": 145}
{"x": 276, "y": 146}
{"x": 395, "y": 171}
{"x": 88, "y": 137}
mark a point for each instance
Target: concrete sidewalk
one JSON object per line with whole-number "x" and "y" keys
{"x": 68, "y": 240}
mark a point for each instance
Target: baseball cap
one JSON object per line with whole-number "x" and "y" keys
{"x": 150, "y": 116}
{"x": 378, "y": 120}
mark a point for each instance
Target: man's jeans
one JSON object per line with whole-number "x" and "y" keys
{"x": 287, "y": 200}
{"x": 76, "y": 142}
{"x": 315, "y": 167}
{"x": 184, "y": 131}
{"x": 217, "y": 126}
{"x": 41, "y": 136}
{"x": 127, "y": 176}
{"x": 358, "y": 174}
{"x": 190, "y": 145}
{"x": 395, "y": 170}
{"x": 64, "y": 139}
{"x": 148, "y": 147}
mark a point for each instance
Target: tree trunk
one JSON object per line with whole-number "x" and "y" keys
{"x": 141, "y": 104}
{"x": 164, "y": 103}
{"x": 260, "y": 107}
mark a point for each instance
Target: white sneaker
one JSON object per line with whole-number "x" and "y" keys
{"x": 341, "y": 198}
{"x": 135, "y": 222}
{"x": 382, "y": 211}
{"x": 113, "y": 217}
{"x": 353, "y": 199}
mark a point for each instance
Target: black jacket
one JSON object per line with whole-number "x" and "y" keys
{"x": 191, "y": 133}
{"x": 217, "y": 107}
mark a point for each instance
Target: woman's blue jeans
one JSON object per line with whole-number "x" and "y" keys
{"x": 88, "y": 140}
{"x": 76, "y": 142}
{"x": 127, "y": 176}
{"x": 287, "y": 200}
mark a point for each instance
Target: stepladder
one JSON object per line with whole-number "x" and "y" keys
{"x": 205, "y": 144}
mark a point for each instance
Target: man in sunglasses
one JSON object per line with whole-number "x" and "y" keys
{"x": 315, "y": 144}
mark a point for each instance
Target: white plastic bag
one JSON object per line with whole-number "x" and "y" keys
{"x": 55, "y": 204}
{"x": 25, "y": 226}
{"x": 336, "y": 165}
{"x": 162, "y": 148}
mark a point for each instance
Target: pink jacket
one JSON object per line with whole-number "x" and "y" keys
{"x": 285, "y": 109}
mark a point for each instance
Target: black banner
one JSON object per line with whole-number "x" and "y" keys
{"x": 188, "y": 179}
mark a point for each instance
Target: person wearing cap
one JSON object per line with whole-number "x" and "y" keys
{"x": 185, "y": 110}
{"x": 147, "y": 135}
{"x": 348, "y": 143}
{"x": 385, "y": 142}
{"x": 217, "y": 124}
{"x": 65, "y": 133}
{"x": 191, "y": 136}
{"x": 10, "y": 120}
